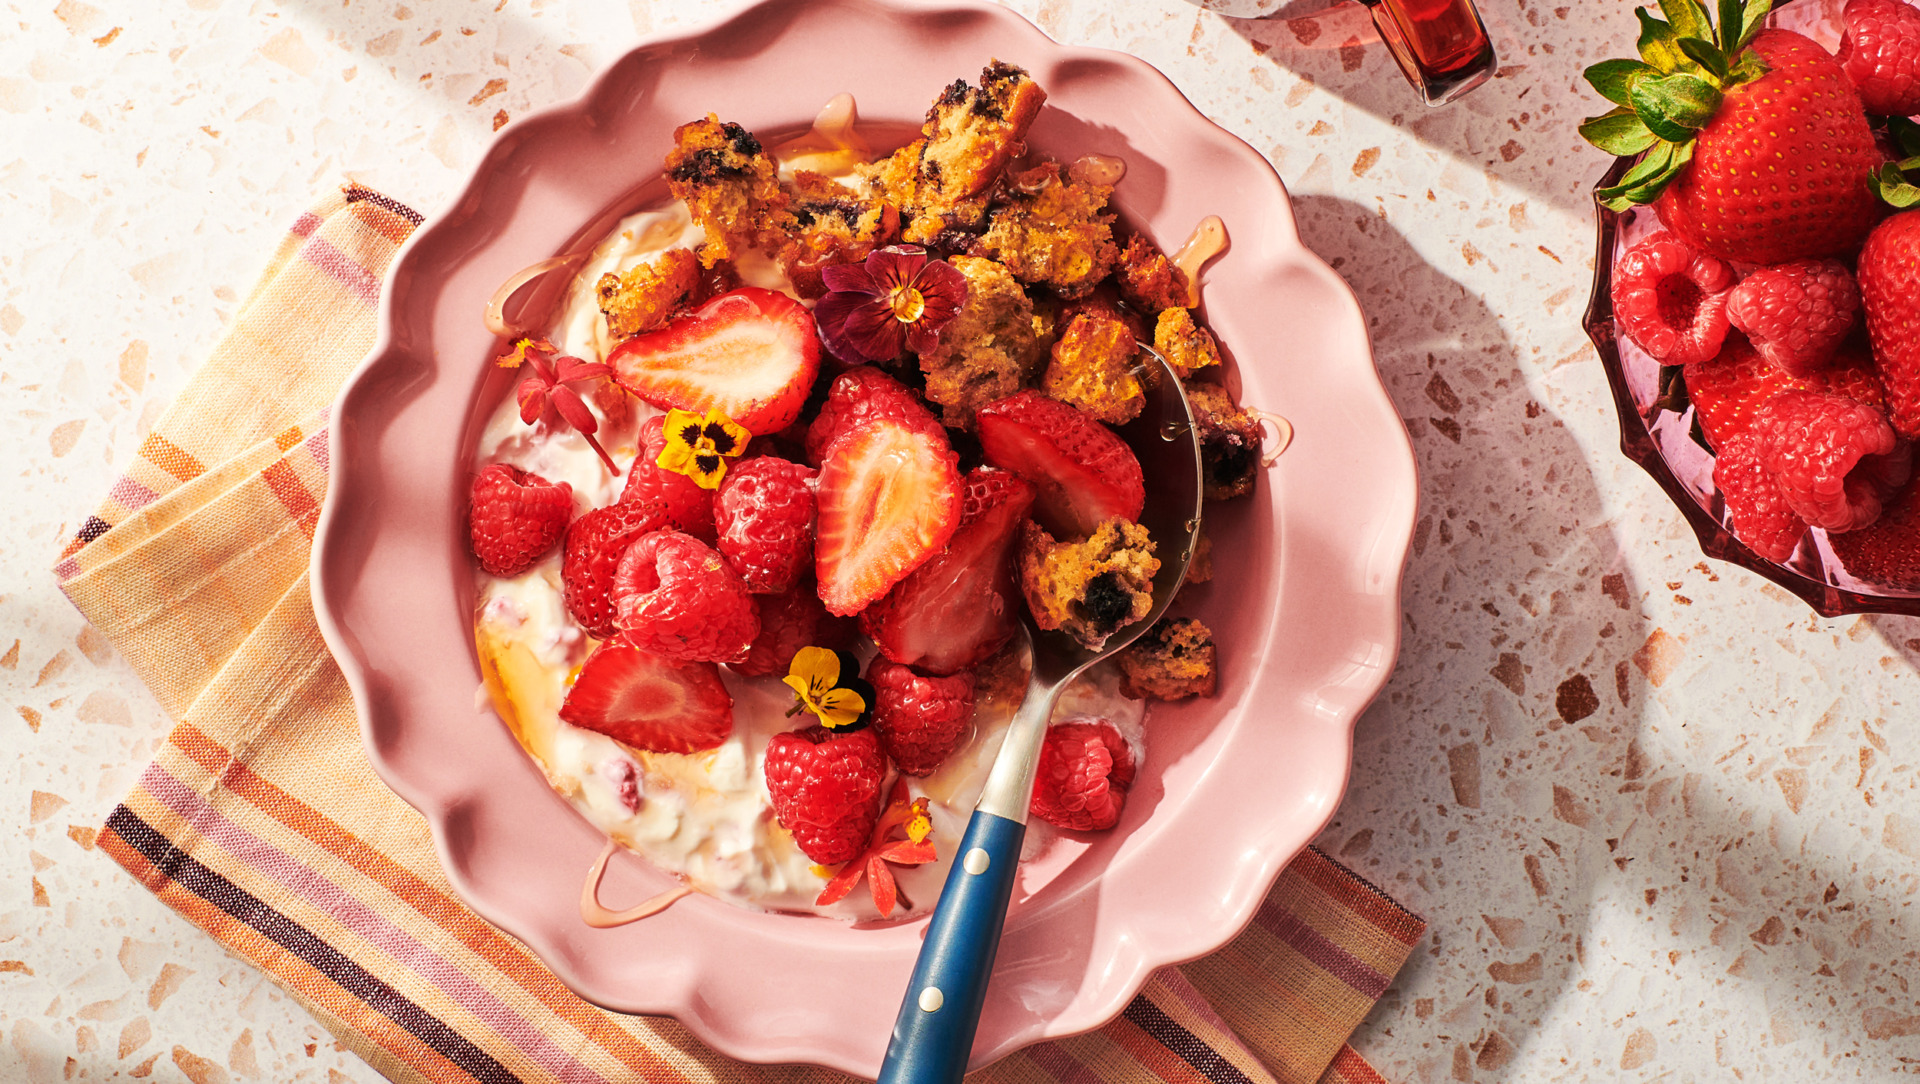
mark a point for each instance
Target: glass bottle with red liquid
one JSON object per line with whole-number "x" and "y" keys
{"x": 1441, "y": 45}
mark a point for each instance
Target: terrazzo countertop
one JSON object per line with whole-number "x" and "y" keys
{"x": 1663, "y": 819}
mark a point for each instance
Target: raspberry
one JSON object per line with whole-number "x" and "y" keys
{"x": 1755, "y": 504}
{"x": 1729, "y": 389}
{"x": 595, "y": 544}
{"x": 1835, "y": 460}
{"x": 515, "y": 517}
{"x": 857, "y": 396}
{"x": 826, "y": 789}
{"x": 921, "y": 719}
{"x": 789, "y": 622}
{"x": 1672, "y": 300}
{"x": 689, "y": 508}
{"x": 1881, "y": 52}
{"x": 1795, "y": 314}
{"x": 676, "y": 598}
{"x": 1888, "y": 552}
{"x": 1082, "y": 779}
{"x": 763, "y": 512}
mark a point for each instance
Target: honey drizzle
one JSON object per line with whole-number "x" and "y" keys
{"x": 599, "y": 917}
{"x": 832, "y": 142}
{"x": 1282, "y": 433}
{"x": 1098, "y": 169}
{"x": 1208, "y": 239}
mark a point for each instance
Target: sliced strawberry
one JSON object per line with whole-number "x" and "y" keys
{"x": 857, "y": 395}
{"x": 1084, "y": 473}
{"x": 749, "y": 353}
{"x": 889, "y": 498}
{"x": 961, "y": 606}
{"x": 648, "y": 702}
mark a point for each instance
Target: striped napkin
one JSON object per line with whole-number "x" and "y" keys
{"x": 262, "y": 822}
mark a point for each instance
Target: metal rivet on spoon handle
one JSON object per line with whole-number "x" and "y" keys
{"x": 933, "y": 1035}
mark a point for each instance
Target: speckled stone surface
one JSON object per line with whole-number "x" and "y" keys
{"x": 1664, "y": 820}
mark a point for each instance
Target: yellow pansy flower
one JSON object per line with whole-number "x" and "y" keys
{"x": 817, "y": 681}
{"x": 699, "y": 447}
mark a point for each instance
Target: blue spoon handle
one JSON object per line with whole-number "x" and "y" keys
{"x": 933, "y": 1035}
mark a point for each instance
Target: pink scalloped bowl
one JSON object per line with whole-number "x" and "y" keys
{"x": 1305, "y": 602}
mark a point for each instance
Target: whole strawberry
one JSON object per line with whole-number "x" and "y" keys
{"x": 514, "y": 517}
{"x": 921, "y": 719}
{"x": 1889, "y": 275}
{"x": 825, "y": 789}
{"x": 1755, "y": 147}
{"x": 1881, "y": 52}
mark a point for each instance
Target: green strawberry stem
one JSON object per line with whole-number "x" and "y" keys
{"x": 1890, "y": 180}
{"x": 1688, "y": 61}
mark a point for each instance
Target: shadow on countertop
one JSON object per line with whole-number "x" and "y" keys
{"x": 1517, "y": 781}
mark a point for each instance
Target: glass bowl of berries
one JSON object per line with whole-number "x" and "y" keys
{"x": 1756, "y": 299}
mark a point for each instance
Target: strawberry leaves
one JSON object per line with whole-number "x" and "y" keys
{"x": 1890, "y": 180}
{"x": 547, "y": 386}
{"x": 1688, "y": 63}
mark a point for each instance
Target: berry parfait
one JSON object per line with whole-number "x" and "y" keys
{"x": 791, "y": 449}
{"x": 1757, "y": 325}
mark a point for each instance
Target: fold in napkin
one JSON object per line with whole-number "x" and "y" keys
{"x": 262, "y": 822}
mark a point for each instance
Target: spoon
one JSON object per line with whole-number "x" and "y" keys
{"x": 933, "y": 1035}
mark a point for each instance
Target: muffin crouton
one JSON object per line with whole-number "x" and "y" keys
{"x": 940, "y": 182}
{"x": 1092, "y": 368}
{"x": 1088, "y": 589}
{"x": 643, "y": 296}
{"x": 830, "y": 224}
{"x": 1186, "y": 345}
{"x": 989, "y": 351}
{"x": 1053, "y": 231}
{"x": 729, "y": 184}
{"x": 1148, "y": 280}
{"x": 1173, "y": 660}
{"x": 1229, "y": 442}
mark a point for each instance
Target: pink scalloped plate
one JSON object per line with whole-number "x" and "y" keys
{"x": 1305, "y": 603}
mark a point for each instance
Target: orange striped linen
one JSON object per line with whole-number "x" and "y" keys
{"x": 262, "y": 822}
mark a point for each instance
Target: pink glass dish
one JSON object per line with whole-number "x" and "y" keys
{"x": 1305, "y": 600}
{"x": 1662, "y": 445}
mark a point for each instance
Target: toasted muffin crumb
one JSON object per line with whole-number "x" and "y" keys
{"x": 1092, "y": 368}
{"x": 1173, "y": 660}
{"x": 988, "y": 352}
{"x": 1148, "y": 280}
{"x": 830, "y": 223}
{"x": 941, "y": 182}
{"x": 1186, "y": 345}
{"x": 1052, "y": 231}
{"x": 643, "y": 296}
{"x": 1229, "y": 442}
{"x": 1088, "y": 589}
{"x": 730, "y": 186}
